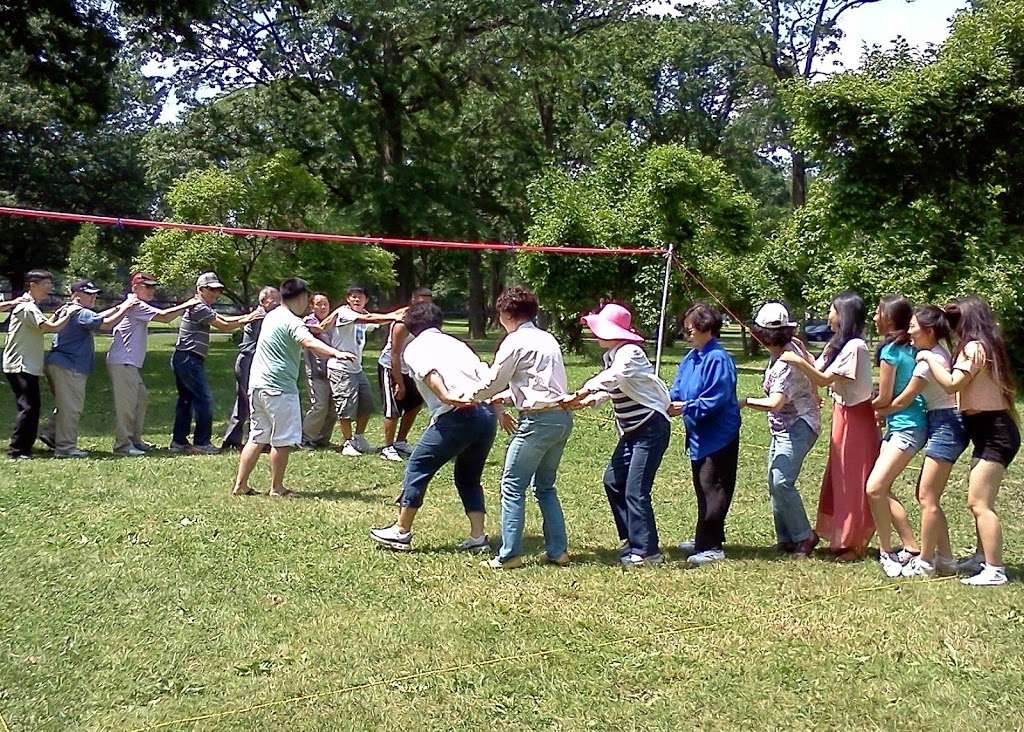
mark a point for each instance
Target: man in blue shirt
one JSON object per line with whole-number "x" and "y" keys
{"x": 70, "y": 362}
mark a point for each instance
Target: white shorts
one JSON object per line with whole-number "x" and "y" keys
{"x": 276, "y": 418}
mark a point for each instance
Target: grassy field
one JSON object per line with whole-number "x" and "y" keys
{"x": 139, "y": 595}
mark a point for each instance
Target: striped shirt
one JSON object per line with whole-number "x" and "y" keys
{"x": 641, "y": 393}
{"x": 628, "y": 414}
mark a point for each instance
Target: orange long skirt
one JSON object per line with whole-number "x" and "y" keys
{"x": 844, "y": 519}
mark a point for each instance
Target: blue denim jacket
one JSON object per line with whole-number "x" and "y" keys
{"x": 706, "y": 381}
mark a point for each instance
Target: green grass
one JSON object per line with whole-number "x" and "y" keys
{"x": 137, "y": 593}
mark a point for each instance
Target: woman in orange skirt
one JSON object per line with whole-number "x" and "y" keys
{"x": 844, "y": 518}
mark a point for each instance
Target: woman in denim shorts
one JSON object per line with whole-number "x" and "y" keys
{"x": 947, "y": 440}
{"x": 906, "y": 434}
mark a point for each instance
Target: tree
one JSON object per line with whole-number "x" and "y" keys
{"x": 275, "y": 193}
{"x": 922, "y": 176}
{"x": 634, "y": 198}
{"x": 792, "y": 39}
{"x": 48, "y": 163}
{"x": 69, "y": 51}
{"x": 369, "y": 80}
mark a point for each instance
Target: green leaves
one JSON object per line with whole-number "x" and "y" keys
{"x": 630, "y": 198}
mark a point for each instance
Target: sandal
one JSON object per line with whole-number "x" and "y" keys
{"x": 247, "y": 492}
{"x": 283, "y": 494}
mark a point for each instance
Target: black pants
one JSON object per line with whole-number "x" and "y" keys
{"x": 234, "y": 435}
{"x": 26, "y": 423}
{"x": 714, "y": 480}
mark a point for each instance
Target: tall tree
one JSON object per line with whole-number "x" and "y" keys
{"x": 793, "y": 39}
{"x": 922, "y": 177}
{"x": 368, "y": 78}
{"x": 275, "y": 193}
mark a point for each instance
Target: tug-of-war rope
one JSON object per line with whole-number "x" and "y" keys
{"x": 669, "y": 254}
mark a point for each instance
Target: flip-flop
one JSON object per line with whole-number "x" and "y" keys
{"x": 283, "y": 494}
{"x": 246, "y": 492}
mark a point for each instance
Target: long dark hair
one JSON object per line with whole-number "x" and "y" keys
{"x": 934, "y": 319}
{"x": 852, "y": 313}
{"x": 898, "y": 311}
{"x": 972, "y": 320}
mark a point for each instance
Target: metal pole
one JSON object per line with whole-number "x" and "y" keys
{"x": 664, "y": 306}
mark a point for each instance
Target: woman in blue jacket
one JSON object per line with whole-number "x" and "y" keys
{"x": 704, "y": 392}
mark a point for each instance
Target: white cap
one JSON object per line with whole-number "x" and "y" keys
{"x": 773, "y": 315}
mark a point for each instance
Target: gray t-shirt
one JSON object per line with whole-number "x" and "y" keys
{"x": 251, "y": 333}
{"x": 194, "y": 331}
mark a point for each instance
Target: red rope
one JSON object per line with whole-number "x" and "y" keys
{"x": 314, "y": 236}
{"x": 699, "y": 281}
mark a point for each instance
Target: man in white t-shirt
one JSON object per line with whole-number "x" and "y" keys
{"x": 346, "y": 330}
{"x": 276, "y": 414}
{"x": 459, "y": 432}
{"x": 23, "y": 358}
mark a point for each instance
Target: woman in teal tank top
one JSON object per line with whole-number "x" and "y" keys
{"x": 907, "y": 431}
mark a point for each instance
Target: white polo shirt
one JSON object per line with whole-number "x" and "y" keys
{"x": 459, "y": 368}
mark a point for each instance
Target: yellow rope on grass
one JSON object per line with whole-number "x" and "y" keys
{"x": 501, "y": 659}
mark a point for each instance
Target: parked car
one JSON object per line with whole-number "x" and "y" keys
{"x": 817, "y": 331}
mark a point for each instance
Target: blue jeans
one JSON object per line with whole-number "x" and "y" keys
{"x": 194, "y": 396}
{"x": 785, "y": 459}
{"x": 534, "y": 453}
{"x": 463, "y": 435}
{"x": 628, "y": 481}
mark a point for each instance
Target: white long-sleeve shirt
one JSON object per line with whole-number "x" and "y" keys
{"x": 629, "y": 380}
{"x": 529, "y": 364}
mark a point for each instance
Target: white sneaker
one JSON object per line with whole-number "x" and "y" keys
{"x": 706, "y": 557}
{"x": 989, "y": 576}
{"x": 945, "y": 566}
{"x": 392, "y": 537}
{"x": 890, "y": 565}
{"x": 404, "y": 448}
{"x": 390, "y": 454}
{"x": 638, "y": 560}
{"x": 687, "y": 547}
{"x": 917, "y": 567}
{"x": 903, "y": 556}
{"x": 971, "y": 565}
{"x": 362, "y": 444}
{"x": 495, "y": 563}
{"x": 129, "y": 452}
{"x": 350, "y": 450}
{"x": 474, "y": 544}
{"x": 71, "y": 452}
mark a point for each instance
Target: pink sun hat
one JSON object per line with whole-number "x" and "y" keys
{"x": 613, "y": 323}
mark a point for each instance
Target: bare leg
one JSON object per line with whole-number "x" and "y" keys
{"x": 408, "y": 420}
{"x": 982, "y": 490}
{"x": 250, "y": 456}
{"x": 901, "y": 523}
{"x": 361, "y": 421}
{"x": 476, "y": 523}
{"x": 934, "y": 528}
{"x": 278, "y": 464}
{"x": 891, "y": 462}
{"x": 390, "y": 425}
{"x": 406, "y": 515}
{"x": 346, "y": 429}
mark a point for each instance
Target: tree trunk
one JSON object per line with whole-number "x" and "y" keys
{"x": 497, "y": 286}
{"x": 391, "y": 158}
{"x": 476, "y": 305}
{"x": 798, "y": 188}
